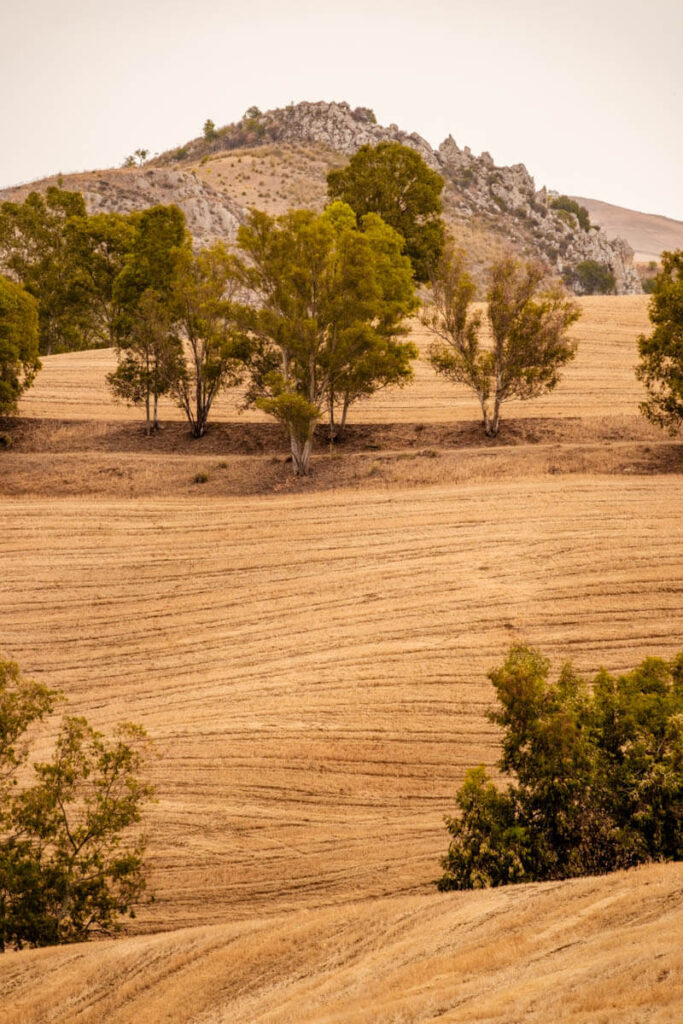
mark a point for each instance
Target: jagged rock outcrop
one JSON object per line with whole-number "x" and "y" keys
{"x": 210, "y": 216}
{"x": 509, "y": 195}
{"x": 502, "y": 198}
{"x": 503, "y": 201}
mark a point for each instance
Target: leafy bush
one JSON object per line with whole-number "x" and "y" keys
{"x": 590, "y": 278}
{"x": 364, "y": 114}
{"x": 67, "y": 865}
{"x": 596, "y": 776}
{"x": 571, "y": 206}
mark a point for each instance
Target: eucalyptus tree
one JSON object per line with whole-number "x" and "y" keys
{"x": 330, "y": 299}
{"x": 528, "y": 325}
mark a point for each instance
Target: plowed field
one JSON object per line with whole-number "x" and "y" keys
{"x": 311, "y": 664}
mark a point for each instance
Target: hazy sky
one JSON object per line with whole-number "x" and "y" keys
{"x": 588, "y": 94}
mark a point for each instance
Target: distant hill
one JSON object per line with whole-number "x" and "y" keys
{"x": 647, "y": 233}
{"x": 280, "y": 158}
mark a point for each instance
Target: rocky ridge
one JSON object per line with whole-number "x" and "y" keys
{"x": 503, "y": 198}
{"x": 209, "y": 214}
{"x": 502, "y": 202}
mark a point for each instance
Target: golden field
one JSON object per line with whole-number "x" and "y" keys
{"x": 599, "y": 382}
{"x": 589, "y": 951}
{"x": 310, "y": 660}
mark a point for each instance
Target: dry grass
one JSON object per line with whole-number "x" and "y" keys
{"x": 599, "y": 382}
{"x": 311, "y": 660}
{"x": 273, "y": 178}
{"x": 313, "y": 665}
{"x": 591, "y": 951}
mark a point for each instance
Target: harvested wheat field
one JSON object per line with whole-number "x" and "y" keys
{"x": 312, "y": 667}
{"x": 589, "y": 951}
{"x": 599, "y": 382}
{"x": 310, "y": 660}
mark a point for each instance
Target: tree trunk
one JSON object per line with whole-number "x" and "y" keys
{"x": 148, "y": 423}
{"x": 495, "y": 421}
{"x": 155, "y": 421}
{"x": 345, "y": 409}
{"x": 333, "y": 425}
{"x": 301, "y": 451}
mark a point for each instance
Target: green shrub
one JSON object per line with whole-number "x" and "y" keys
{"x": 201, "y": 478}
{"x": 571, "y": 206}
{"x": 595, "y": 776}
{"x": 590, "y": 278}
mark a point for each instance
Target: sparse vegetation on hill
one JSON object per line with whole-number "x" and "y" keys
{"x": 572, "y": 207}
{"x": 590, "y": 278}
{"x": 597, "y": 776}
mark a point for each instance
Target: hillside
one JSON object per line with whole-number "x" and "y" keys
{"x": 310, "y": 659}
{"x": 648, "y": 234}
{"x": 589, "y": 951}
{"x": 280, "y": 158}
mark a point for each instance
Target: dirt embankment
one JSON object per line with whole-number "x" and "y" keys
{"x": 70, "y": 457}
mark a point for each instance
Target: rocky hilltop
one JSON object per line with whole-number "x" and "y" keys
{"x": 504, "y": 199}
{"x": 209, "y": 214}
{"x": 487, "y": 207}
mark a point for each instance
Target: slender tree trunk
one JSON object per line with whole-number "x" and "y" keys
{"x": 155, "y": 424}
{"x": 345, "y": 409}
{"x": 486, "y": 415}
{"x": 148, "y": 424}
{"x": 301, "y": 446}
{"x": 495, "y": 423}
{"x": 333, "y": 426}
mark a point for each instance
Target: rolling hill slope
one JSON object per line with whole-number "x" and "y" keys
{"x": 590, "y": 951}
{"x": 648, "y": 234}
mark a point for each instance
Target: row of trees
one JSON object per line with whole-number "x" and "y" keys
{"x": 309, "y": 310}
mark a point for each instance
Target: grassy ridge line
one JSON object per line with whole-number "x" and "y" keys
{"x": 313, "y": 666}
{"x": 588, "y": 951}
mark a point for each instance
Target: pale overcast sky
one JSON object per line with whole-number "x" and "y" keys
{"x": 587, "y": 94}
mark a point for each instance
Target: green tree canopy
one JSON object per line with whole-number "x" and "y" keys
{"x": 19, "y": 360}
{"x": 69, "y": 865}
{"x": 394, "y": 181}
{"x": 661, "y": 354}
{"x": 595, "y": 770}
{"x": 35, "y": 250}
{"x": 330, "y": 299}
{"x": 571, "y": 206}
{"x": 528, "y": 326}
{"x": 204, "y": 294}
{"x": 100, "y": 246}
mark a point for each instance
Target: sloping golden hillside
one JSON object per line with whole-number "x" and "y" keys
{"x": 591, "y": 951}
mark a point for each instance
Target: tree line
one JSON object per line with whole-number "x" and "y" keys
{"x": 308, "y": 311}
